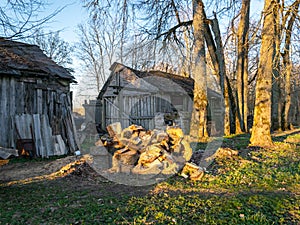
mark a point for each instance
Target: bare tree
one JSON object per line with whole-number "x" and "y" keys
{"x": 53, "y": 46}
{"x": 20, "y": 18}
{"x": 242, "y": 65}
{"x": 290, "y": 17}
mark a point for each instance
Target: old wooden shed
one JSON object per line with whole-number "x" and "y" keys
{"x": 35, "y": 101}
{"x": 151, "y": 99}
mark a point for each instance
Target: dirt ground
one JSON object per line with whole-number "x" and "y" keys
{"x": 71, "y": 173}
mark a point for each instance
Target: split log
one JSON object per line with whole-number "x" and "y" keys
{"x": 124, "y": 160}
{"x": 152, "y": 153}
{"x": 176, "y": 134}
{"x": 153, "y": 168}
{"x": 192, "y": 171}
{"x": 114, "y": 130}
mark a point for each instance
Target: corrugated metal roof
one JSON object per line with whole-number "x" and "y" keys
{"x": 17, "y": 58}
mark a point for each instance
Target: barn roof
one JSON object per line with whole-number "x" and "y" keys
{"x": 184, "y": 82}
{"x": 21, "y": 59}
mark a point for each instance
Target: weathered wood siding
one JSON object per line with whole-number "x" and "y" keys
{"x": 34, "y": 96}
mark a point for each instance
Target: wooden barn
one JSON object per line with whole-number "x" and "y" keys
{"x": 35, "y": 102}
{"x": 151, "y": 99}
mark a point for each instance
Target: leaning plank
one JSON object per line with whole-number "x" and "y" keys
{"x": 27, "y": 124}
{"x": 56, "y": 149}
{"x": 23, "y": 123}
{"x": 39, "y": 146}
{"x": 76, "y": 139}
{"x": 12, "y": 141}
{"x": 62, "y": 146}
{"x": 47, "y": 136}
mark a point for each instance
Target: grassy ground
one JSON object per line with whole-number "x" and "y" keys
{"x": 259, "y": 186}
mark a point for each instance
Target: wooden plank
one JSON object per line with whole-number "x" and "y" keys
{"x": 2, "y": 132}
{"x": 39, "y": 99}
{"x": 12, "y": 135}
{"x": 11, "y": 112}
{"x": 4, "y": 111}
{"x": 56, "y": 149}
{"x": 73, "y": 127}
{"x": 47, "y": 136}
{"x": 61, "y": 144}
{"x": 69, "y": 126}
{"x": 39, "y": 145}
{"x": 28, "y": 123}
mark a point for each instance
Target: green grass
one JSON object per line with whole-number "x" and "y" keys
{"x": 261, "y": 186}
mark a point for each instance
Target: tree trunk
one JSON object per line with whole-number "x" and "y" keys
{"x": 261, "y": 135}
{"x": 199, "y": 70}
{"x": 215, "y": 49}
{"x": 288, "y": 65}
{"x": 276, "y": 105}
{"x": 242, "y": 66}
{"x": 222, "y": 73}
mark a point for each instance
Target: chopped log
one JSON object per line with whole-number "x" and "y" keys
{"x": 153, "y": 168}
{"x": 188, "y": 151}
{"x": 169, "y": 168}
{"x": 114, "y": 129}
{"x": 223, "y": 153}
{"x": 175, "y": 133}
{"x": 124, "y": 160}
{"x": 128, "y": 157}
{"x": 192, "y": 171}
{"x": 152, "y": 153}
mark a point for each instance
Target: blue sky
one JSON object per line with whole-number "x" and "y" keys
{"x": 68, "y": 19}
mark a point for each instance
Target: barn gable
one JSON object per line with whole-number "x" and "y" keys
{"x": 35, "y": 101}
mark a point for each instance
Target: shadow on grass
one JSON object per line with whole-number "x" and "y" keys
{"x": 283, "y": 137}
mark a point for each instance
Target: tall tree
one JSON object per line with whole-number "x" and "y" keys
{"x": 287, "y": 64}
{"x": 199, "y": 71}
{"x": 242, "y": 65}
{"x": 261, "y": 135}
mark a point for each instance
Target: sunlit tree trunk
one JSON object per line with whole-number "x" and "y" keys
{"x": 242, "y": 66}
{"x": 199, "y": 72}
{"x": 261, "y": 135}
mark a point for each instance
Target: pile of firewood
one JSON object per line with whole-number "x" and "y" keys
{"x": 138, "y": 151}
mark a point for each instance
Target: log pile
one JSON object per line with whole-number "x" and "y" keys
{"x": 141, "y": 152}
